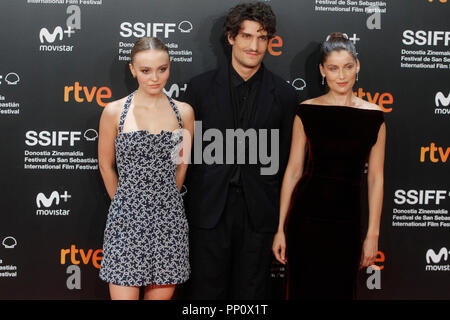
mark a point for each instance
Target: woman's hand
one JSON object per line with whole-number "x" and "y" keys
{"x": 279, "y": 247}
{"x": 369, "y": 251}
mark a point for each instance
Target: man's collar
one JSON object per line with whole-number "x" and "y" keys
{"x": 236, "y": 79}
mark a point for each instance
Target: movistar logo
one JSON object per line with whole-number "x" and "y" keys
{"x": 51, "y": 37}
{"x": 436, "y": 258}
{"x": 175, "y": 89}
{"x": 442, "y": 100}
{"x": 54, "y": 198}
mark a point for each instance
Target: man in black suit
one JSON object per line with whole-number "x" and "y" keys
{"x": 233, "y": 207}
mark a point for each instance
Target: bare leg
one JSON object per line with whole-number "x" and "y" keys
{"x": 159, "y": 292}
{"x": 123, "y": 293}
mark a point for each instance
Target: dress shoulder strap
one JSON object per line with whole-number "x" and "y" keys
{"x": 175, "y": 109}
{"x": 125, "y": 111}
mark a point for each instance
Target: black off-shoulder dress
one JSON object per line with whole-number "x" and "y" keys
{"x": 323, "y": 225}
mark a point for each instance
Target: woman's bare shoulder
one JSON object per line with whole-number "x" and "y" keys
{"x": 363, "y": 104}
{"x": 112, "y": 111}
{"x": 309, "y": 101}
{"x": 186, "y": 111}
{"x": 114, "y": 108}
{"x": 316, "y": 100}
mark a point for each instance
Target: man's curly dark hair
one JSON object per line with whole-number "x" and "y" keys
{"x": 255, "y": 11}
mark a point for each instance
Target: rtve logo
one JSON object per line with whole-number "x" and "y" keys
{"x": 82, "y": 93}
{"x": 89, "y": 256}
{"x": 380, "y": 259}
{"x": 275, "y": 43}
{"x": 434, "y": 157}
{"x": 385, "y": 98}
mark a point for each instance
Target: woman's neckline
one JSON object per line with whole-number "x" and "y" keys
{"x": 337, "y": 106}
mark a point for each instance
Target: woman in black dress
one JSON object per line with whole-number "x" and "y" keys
{"x": 319, "y": 235}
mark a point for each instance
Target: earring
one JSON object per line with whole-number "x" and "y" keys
{"x": 357, "y": 76}
{"x": 323, "y": 80}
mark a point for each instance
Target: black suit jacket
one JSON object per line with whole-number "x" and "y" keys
{"x": 207, "y": 184}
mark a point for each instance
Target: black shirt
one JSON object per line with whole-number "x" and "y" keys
{"x": 244, "y": 96}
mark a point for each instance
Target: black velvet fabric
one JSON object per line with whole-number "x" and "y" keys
{"x": 323, "y": 229}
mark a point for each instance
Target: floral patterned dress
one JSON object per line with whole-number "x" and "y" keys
{"x": 146, "y": 234}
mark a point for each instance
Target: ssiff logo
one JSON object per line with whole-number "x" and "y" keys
{"x": 52, "y": 138}
{"x": 422, "y": 197}
{"x": 11, "y": 79}
{"x": 299, "y": 84}
{"x": 185, "y": 26}
{"x": 9, "y": 242}
{"x": 155, "y": 29}
{"x": 58, "y": 138}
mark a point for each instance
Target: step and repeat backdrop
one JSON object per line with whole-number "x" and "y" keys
{"x": 63, "y": 60}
